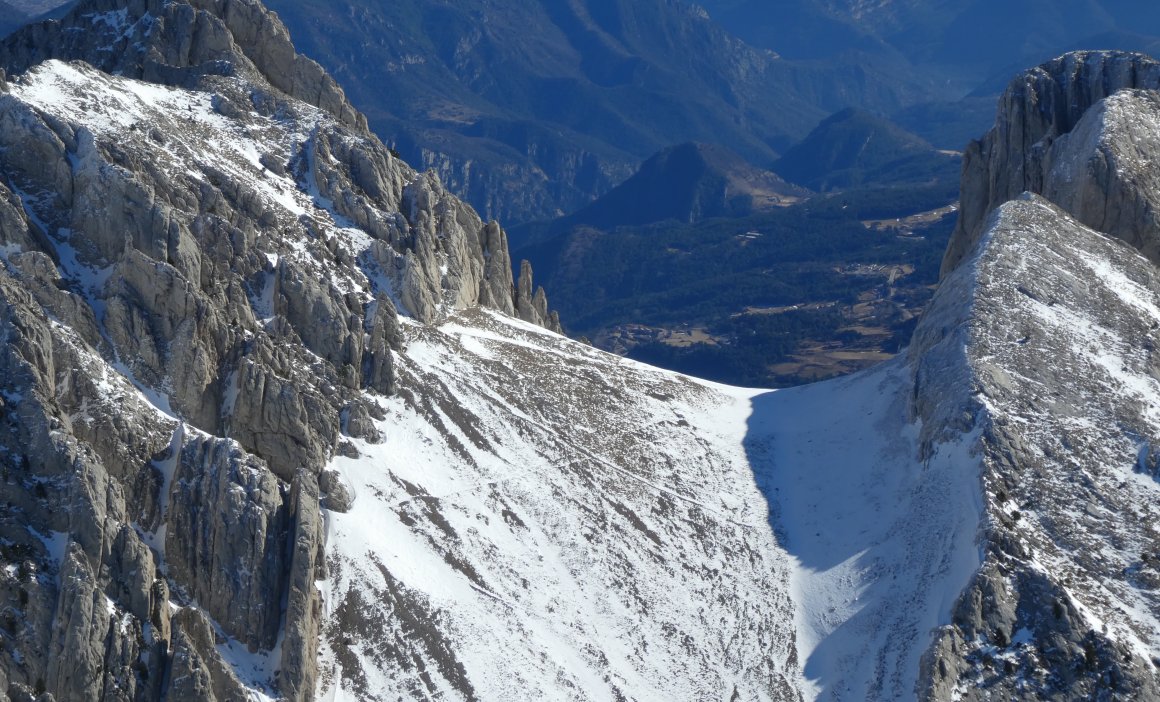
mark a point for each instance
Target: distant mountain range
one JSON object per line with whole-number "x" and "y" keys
{"x": 971, "y": 48}
{"x": 532, "y": 108}
{"x": 611, "y": 134}
{"x": 939, "y": 36}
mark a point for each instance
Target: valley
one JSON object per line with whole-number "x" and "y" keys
{"x": 850, "y": 336}
{"x": 697, "y": 298}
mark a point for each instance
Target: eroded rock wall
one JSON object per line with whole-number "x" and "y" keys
{"x": 203, "y": 260}
{"x": 1039, "y": 107}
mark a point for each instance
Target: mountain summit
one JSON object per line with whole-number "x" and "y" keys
{"x": 853, "y": 148}
{"x": 1058, "y": 134}
{"x": 688, "y": 183}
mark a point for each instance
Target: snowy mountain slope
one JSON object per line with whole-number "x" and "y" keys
{"x": 547, "y": 520}
{"x": 1062, "y": 343}
{"x": 882, "y": 539}
{"x": 199, "y": 281}
{"x": 1062, "y": 334}
{"x": 528, "y": 513}
{"x": 543, "y": 520}
{"x": 232, "y": 471}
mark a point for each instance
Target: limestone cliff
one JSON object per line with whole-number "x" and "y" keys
{"x": 204, "y": 258}
{"x": 1036, "y": 116}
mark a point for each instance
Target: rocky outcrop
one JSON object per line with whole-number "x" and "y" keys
{"x": 76, "y": 652}
{"x": 227, "y": 526}
{"x": 299, "y": 663}
{"x": 533, "y": 306}
{"x": 79, "y": 482}
{"x": 198, "y": 674}
{"x": 1057, "y": 609}
{"x": 1100, "y": 171}
{"x": 179, "y": 43}
{"x": 1040, "y": 108}
{"x": 203, "y": 260}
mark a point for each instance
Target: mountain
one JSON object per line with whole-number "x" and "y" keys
{"x": 676, "y": 266}
{"x": 1046, "y": 108}
{"x": 687, "y": 183}
{"x": 278, "y": 422}
{"x": 853, "y": 148}
{"x": 939, "y": 42}
{"x": 802, "y": 29}
{"x": 203, "y": 255}
{"x": 585, "y": 93}
{"x": 939, "y": 36}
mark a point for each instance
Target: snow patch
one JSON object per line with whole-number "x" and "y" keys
{"x": 882, "y": 542}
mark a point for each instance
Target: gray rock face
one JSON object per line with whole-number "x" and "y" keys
{"x": 1100, "y": 171}
{"x": 179, "y": 43}
{"x": 1063, "y": 606}
{"x": 299, "y": 662}
{"x": 1040, "y": 341}
{"x": 338, "y": 497}
{"x": 77, "y": 648}
{"x": 203, "y": 260}
{"x": 227, "y": 523}
{"x": 1056, "y": 323}
{"x": 1038, "y": 108}
{"x": 197, "y": 673}
{"x": 77, "y": 473}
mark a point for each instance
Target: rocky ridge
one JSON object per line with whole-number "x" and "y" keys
{"x": 1029, "y": 149}
{"x": 964, "y": 522}
{"x": 204, "y": 252}
{"x": 1065, "y": 603}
